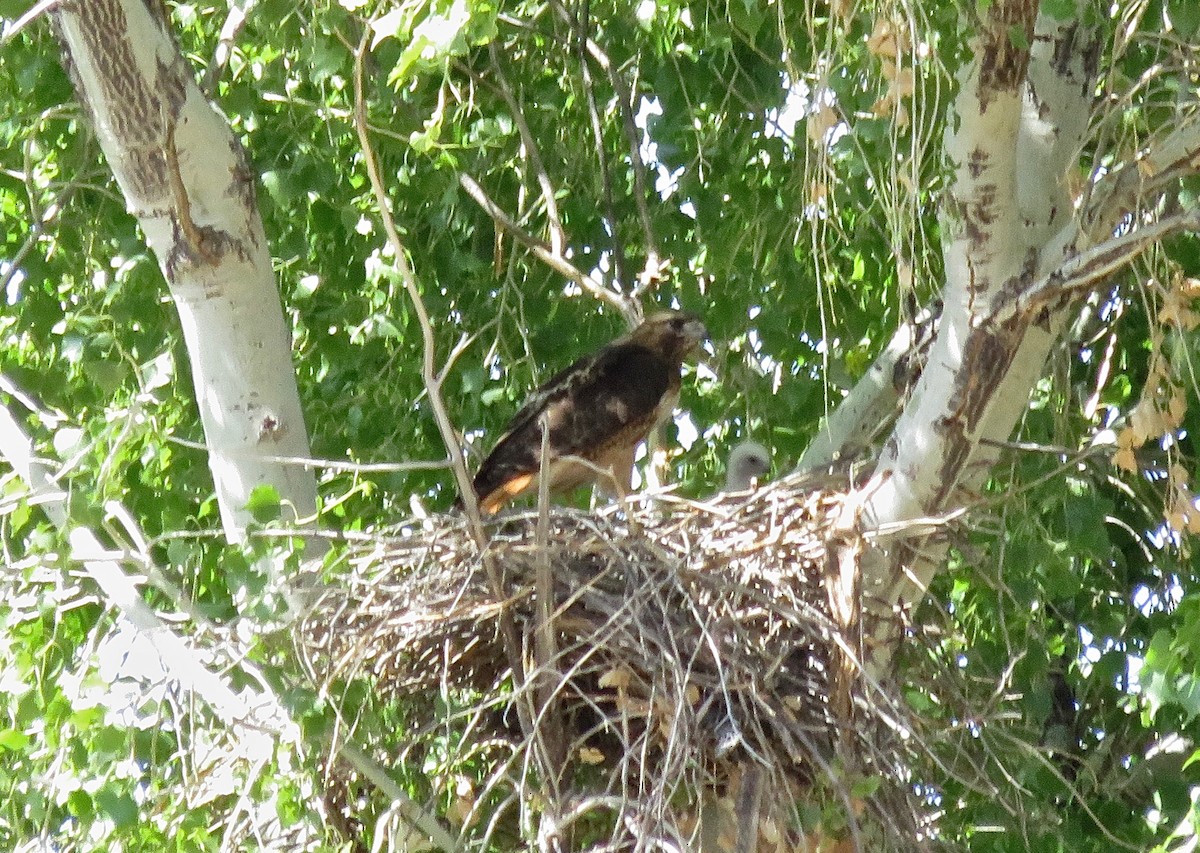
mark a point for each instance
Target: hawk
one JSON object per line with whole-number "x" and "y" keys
{"x": 596, "y": 412}
{"x": 747, "y": 462}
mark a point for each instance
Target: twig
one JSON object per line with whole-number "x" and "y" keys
{"x": 464, "y": 341}
{"x": 335, "y": 464}
{"x": 508, "y": 629}
{"x": 1090, "y": 268}
{"x": 532, "y": 152}
{"x": 428, "y": 368}
{"x": 550, "y": 731}
{"x": 25, "y": 20}
{"x": 544, "y": 253}
{"x": 234, "y": 22}
{"x": 408, "y": 808}
{"x": 652, "y": 269}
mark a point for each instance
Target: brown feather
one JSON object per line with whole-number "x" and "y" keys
{"x": 597, "y": 411}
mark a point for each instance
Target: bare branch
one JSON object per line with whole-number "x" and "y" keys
{"x": 408, "y": 808}
{"x": 873, "y": 402}
{"x": 544, "y": 253}
{"x": 533, "y": 153}
{"x": 429, "y": 355}
{"x": 1150, "y": 171}
{"x": 336, "y": 464}
{"x": 1087, "y": 270}
{"x": 652, "y": 270}
{"x": 29, "y": 17}
{"x": 234, "y": 22}
{"x": 511, "y": 637}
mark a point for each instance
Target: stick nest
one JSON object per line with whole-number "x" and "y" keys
{"x": 687, "y": 648}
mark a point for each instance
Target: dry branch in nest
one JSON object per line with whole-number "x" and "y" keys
{"x": 692, "y": 651}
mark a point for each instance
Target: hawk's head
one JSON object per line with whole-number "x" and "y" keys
{"x": 675, "y": 334}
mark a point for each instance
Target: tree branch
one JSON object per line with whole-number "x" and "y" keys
{"x": 408, "y": 278}
{"x": 874, "y": 400}
{"x": 416, "y": 816}
{"x": 234, "y": 22}
{"x": 580, "y": 28}
{"x": 629, "y": 309}
{"x": 1148, "y": 172}
{"x": 513, "y": 647}
{"x": 1086, "y": 271}
{"x": 247, "y": 713}
{"x": 652, "y": 270}
{"x": 558, "y": 239}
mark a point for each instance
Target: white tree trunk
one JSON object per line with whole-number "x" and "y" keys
{"x": 1019, "y": 257}
{"x": 185, "y": 177}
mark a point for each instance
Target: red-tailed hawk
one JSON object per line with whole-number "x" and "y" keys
{"x": 747, "y": 462}
{"x": 597, "y": 411}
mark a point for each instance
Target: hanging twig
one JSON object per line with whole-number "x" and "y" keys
{"x": 651, "y": 272}
{"x": 234, "y": 22}
{"x": 508, "y": 630}
{"x": 579, "y": 26}
{"x": 533, "y": 153}
{"x": 429, "y": 352}
{"x": 550, "y": 729}
{"x": 624, "y": 97}
{"x": 629, "y": 309}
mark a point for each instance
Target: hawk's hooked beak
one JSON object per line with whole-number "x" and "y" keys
{"x": 698, "y": 335}
{"x": 696, "y": 332}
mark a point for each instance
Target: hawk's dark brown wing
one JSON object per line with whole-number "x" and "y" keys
{"x": 598, "y": 409}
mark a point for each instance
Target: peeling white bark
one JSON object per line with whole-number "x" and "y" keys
{"x": 924, "y": 459}
{"x": 872, "y": 403}
{"x": 1019, "y": 257}
{"x": 1020, "y": 124}
{"x": 184, "y": 176}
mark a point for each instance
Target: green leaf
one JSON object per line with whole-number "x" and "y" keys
{"x": 1087, "y": 529}
{"x": 1184, "y": 16}
{"x": 118, "y": 805}
{"x": 919, "y": 701}
{"x": 1059, "y": 10}
{"x": 80, "y": 804}
{"x": 866, "y": 788}
{"x": 264, "y": 504}
{"x": 13, "y": 740}
{"x": 111, "y": 740}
